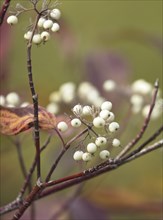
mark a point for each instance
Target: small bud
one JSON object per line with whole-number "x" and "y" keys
{"x": 12, "y": 20}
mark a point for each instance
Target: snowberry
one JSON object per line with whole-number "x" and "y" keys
{"x": 55, "y": 97}
{"x": 36, "y": 39}
{"x": 111, "y": 117}
{"x": 45, "y": 36}
{"x": 55, "y": 27}
{"x": 114, "y": 126}
{"x": 47, "y": 24}
{"x": 104, "y": 154}
{"x": 109, "y": 85}
{"x": 62, "y": 126}
{"x": 12, "y": 99}
{"x": 2, "y": 100}
{"x": 24, "y": 104}
{"x": 116, "y": 142}
{"x": 52, "y": 108}
{"x": 91, "y": 148}
{"x": 105, "y": 114}
{"x": 77, "y": 109}
{"x": 136, "y": 100}
{"x": 28, "y": 35}
{"x": 101, "y": 141}
{"x": 106, "y": 105}
{"x": 55, "y": 14}
{"x": 78, "y": 155}
{"x": 86, "y": 156}
{"x": 41, "y": 22}
{"x": 98, "y": 122}
{"x": 12, "y": 20}
{"x": 141, "y": 86}
{"x": 75, "y": 122}
{"x": 87, "y": 110}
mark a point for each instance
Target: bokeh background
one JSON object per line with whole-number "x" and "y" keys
{"x": 129, "y": 34}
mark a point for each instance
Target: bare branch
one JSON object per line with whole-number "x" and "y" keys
{"x": 3, "y": 11}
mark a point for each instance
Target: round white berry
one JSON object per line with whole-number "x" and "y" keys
{"x": 55, "y": 27}
{"x": 114, "y": 126}
{"x": 105, "y": 114}
{"x": 101, "y": 141}
{"x": 78, "y": 155}
{"x": 36, "y": 39}
{"x": 86, "y": 156}
{"x": 75, "y": 123}
{"x": 141, "y": 86}
{"x": 106, "y": 105}
{"x": 41, "y": 22}
{"x": 55, "y": 13}
{"x": 87, "y": 110}
{"x": 136, "y": 100}
{"x": 52, "y": 108}
{"x": 91, "y": 148}
{"x": 109, "y": 85}
{"x": 2, "y": 100}
{"x": 47, "y": 24}
{"x": 55, "y": 97}
{"x": 24, "y": 104}
{"x": 62, "y": 126}
{"x": 111, "y": 117}
{"x": 45, "y": 36}
{"x": 28, "y": 35}
{"x": 98, "y": 122}
{"x": 12, "y": 20}
{"x": 13, "y": 99}
{"x": 77, "y": 109}
{"x": 116, "y": 142}
{"x": 104, "y": 154}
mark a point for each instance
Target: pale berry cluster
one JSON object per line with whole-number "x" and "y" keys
{"x": 97, "y": 118}
{"x": 12, "y": 99}
{"x": 46, "y": 24}
{"x": 140, "y": 92}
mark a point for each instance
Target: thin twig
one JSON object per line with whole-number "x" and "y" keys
{"x": 144, "y": 127}
{"x": 3, "y": 11}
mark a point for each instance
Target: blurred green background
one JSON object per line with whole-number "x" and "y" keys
{"x": 132, "y": 29}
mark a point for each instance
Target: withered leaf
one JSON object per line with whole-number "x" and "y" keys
{"x": 16, "y": 120}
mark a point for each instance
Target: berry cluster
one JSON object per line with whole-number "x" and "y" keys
{"x": 101, "y": 119}
{"x": 46, "y": 24}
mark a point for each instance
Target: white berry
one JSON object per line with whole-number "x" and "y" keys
{"x": 87, "y": 110}
{"x": 101, "y": 141}
{"x": 36, "y": 39}
{"x": 116, "y": 142}
{"x": 28, "y": 35}
{"x": 109, "y": 85}
{"x": 55, "y": 27}
{"x": 114, "y": 126}
{"x": 41, "y": 22}
{"x": 62, "y": 126}
{"x": 111, "y": 117}
{"x": 98, "y": 122}
{"x": 86, "y": 156}
{"x": 77, "y": 109}
{"x": 91, "y": 148}
{"x": 78, "y": 155}
{"x": 106, "y": 105}
{"x": 47, "y": 24}
{"x": 13, "y": 99}
{"x": 75, "y": 122}
{"x": 52, "y": 108}
{"x": 45, "y": 36}
{"x": 104, "y": 154}
{"x": 12, "y": 20}
{"x": 55, "y": 14}
{"x": 2, "y": 100}
{"x": 105, "y": 114}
